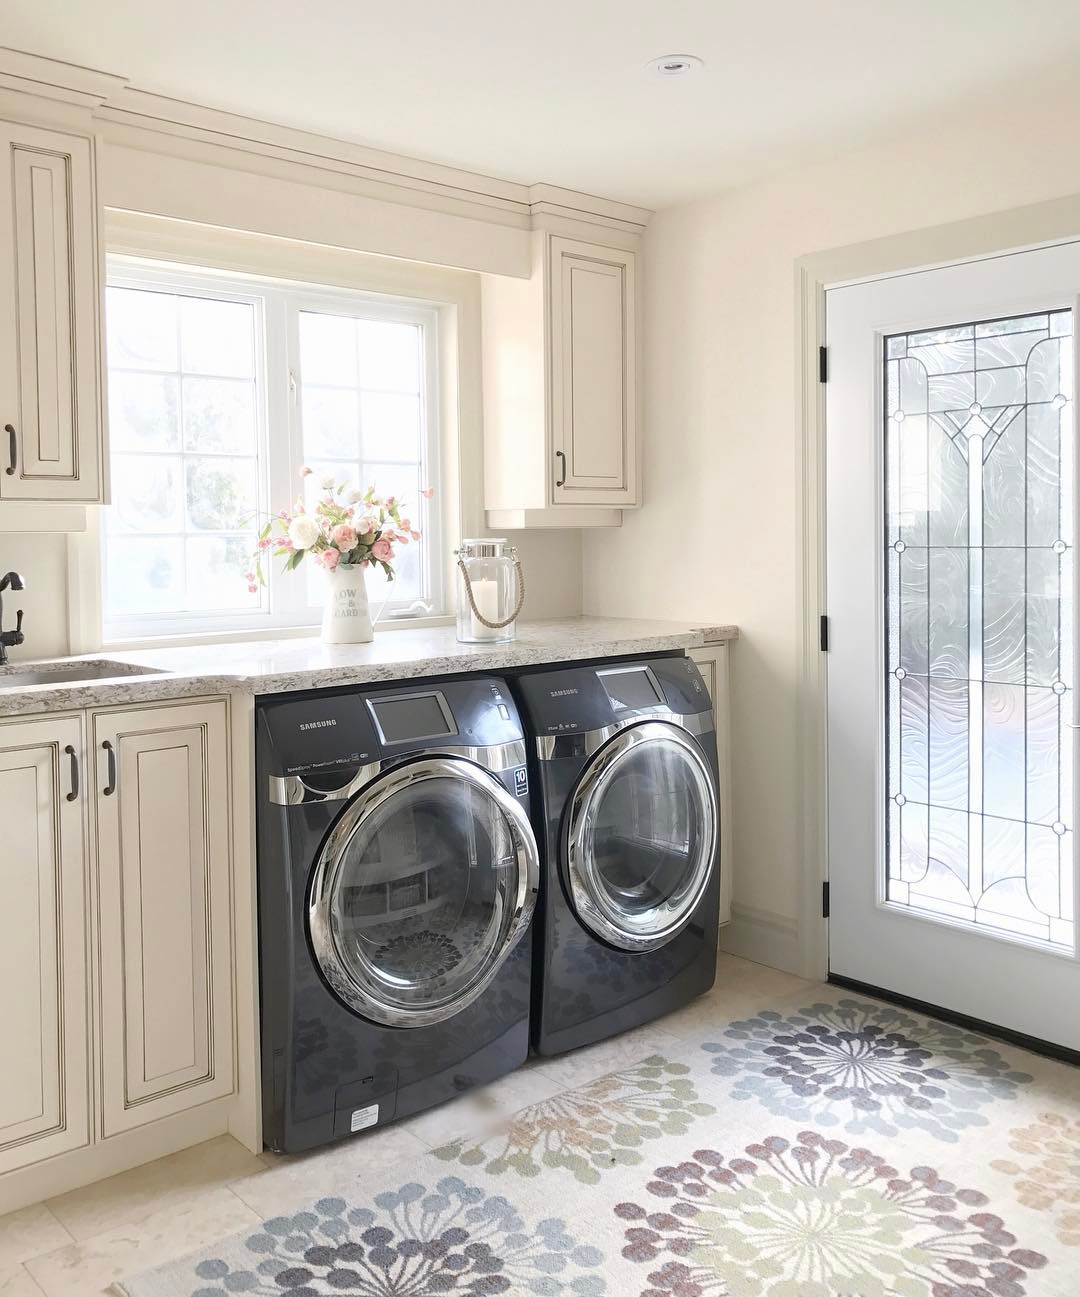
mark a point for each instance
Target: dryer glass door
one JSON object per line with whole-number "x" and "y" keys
{"x": 641, "y": 836}
{"x": 421, "y": 891}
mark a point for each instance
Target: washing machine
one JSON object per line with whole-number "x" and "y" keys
{"x": 626, "y": 808}
{"x": 397, "y": 875}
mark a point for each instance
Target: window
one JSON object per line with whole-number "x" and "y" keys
{"x": 220, "y": 390}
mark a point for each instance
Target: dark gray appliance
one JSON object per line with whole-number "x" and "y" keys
{"x": 397, "y": 874}
{"x": 627, "y": 812}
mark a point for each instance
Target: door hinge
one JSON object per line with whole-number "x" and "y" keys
{"x": 823, "y": 633}
{"x": 823, "y": 364}
{"x": 825, "y": 900}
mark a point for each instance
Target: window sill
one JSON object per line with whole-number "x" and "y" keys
{"x": 252, "y": 636}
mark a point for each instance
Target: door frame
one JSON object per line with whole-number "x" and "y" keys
{"x": 974, "y": 239}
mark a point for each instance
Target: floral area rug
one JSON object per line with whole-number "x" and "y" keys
{"x": 828, "y": 1146}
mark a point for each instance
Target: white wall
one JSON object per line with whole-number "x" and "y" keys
{"x": 42, "y": 563}
{"x": 716, "y": 538}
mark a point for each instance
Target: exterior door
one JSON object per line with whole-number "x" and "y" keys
{"x": 44, "y": 1078}
{"x": 951, "y": 505}
{"x": 641, "y": 837}
{"x": 421, "y": 891}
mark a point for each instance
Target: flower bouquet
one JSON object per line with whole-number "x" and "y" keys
{"x": 345, "y": 531}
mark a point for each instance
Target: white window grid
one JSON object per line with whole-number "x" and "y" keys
{"x": 291, "y": 600}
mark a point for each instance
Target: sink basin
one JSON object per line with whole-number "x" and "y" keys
{"x": 17, "y": 676}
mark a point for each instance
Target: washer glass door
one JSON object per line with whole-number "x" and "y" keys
{"x": 641, "y": 836}
{"x": 421, "y": 891}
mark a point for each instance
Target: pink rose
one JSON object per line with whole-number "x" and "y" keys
{"x": 382, "y": 550}
{"x": 415, "y": 535}
{"x": 366, "y": 526}
{"x": 428, "y": 492}
{"x": 344, "y": 536}
{"x": 305, "y": 471}
{"x": 329, "y": 558}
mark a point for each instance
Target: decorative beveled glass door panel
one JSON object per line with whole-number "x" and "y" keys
{"x": 979, "y": 471}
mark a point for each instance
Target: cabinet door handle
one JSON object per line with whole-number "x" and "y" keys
{"x": 110, "y": 753}
{"x": 561, "y": 457}
{"x": 73, "y": 796}
{"x": 13, "y": 449}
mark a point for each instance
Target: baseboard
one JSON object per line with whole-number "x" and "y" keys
{"x": 764, "y": 937}
{"x": 56, "y": 1175}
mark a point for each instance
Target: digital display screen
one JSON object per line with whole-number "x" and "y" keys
{"x": 630, "y": 689}
{"x": 420, "y": 716}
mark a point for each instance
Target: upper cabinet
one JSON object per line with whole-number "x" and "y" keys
{"x": 561, "y": 379}
{"x": 50, "y": 317}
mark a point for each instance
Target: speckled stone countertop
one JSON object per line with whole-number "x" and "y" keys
{"x": 277, "y": 666}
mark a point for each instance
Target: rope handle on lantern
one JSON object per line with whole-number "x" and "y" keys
{"x": 495, "y": 625}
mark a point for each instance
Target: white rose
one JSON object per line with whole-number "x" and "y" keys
{"x": 303, "y": 532}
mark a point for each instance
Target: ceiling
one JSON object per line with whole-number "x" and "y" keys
{"x": 553, "y": 91}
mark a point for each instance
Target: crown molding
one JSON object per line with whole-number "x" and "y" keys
{"x": 129, "y": 117}
{"x": 68, "y": 83}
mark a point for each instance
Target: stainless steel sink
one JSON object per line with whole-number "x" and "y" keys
{"x": 61, "y": 673}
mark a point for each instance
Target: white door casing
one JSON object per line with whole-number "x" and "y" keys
{"x": 161, "y": 797}
{"x": 992, "y": 963}
{"x": 44, "y": 1071}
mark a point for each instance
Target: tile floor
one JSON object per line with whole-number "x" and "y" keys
{"x": 81, "y": 1242}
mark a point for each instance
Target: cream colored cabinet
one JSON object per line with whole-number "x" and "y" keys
{"x": 50, "y": 317}
{"x": 593, "y": 388}
{"x": 161, "y": 797}
{"x": 561, "y": 401}
{"x": 715, "y": 666}
{"x": 44, "y": 1072}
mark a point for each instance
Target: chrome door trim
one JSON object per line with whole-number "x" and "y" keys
{"x": 328, "y": 866}
{"x": 550, "y": 747}
{"x": 292, "y": 790}
{"x": 589, "y": 897}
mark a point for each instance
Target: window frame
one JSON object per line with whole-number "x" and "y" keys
{"x": 284, "y": 604}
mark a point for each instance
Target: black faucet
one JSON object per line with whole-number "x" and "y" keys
{"x": 10, "y": 638}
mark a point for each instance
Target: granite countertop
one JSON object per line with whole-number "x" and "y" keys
{"x": 277, "y": 666}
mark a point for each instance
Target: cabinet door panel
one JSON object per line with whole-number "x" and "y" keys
{"x": 49, "y": 336}
{"x": 165, "y": 886}
{"x": 43, "y": 981}
{"x": 593, "y": 374}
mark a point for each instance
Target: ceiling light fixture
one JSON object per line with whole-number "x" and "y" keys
{"x": 674, "y": 65}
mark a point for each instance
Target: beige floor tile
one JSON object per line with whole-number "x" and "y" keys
{"x": 582, "y": 1065}
{"x": 737, "y": 994}
{"x": 344, "y": 1168}
{"x": 29, "y": 1232}
{"x": 86, "y": 1268}
{"x": 18, "y": 1283}
{"x": 131, "y": 1196}
{"x": 483, "y": 1111}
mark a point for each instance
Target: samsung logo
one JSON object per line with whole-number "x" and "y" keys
{"x": 317, "y": 725}
{"x": 563, "y": 693}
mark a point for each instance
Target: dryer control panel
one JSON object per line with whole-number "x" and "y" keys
{"x": 579, "y": 699}
{"x": 333, "y": 728}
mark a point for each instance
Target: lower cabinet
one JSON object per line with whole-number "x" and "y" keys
{"x": 44, "y": 980}
{"x": 714, "y": 665}
{"x": 162, "y": 828}
{"x": 116, "y": 960}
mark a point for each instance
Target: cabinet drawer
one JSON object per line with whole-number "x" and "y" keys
{"x": 164, "y": 880}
